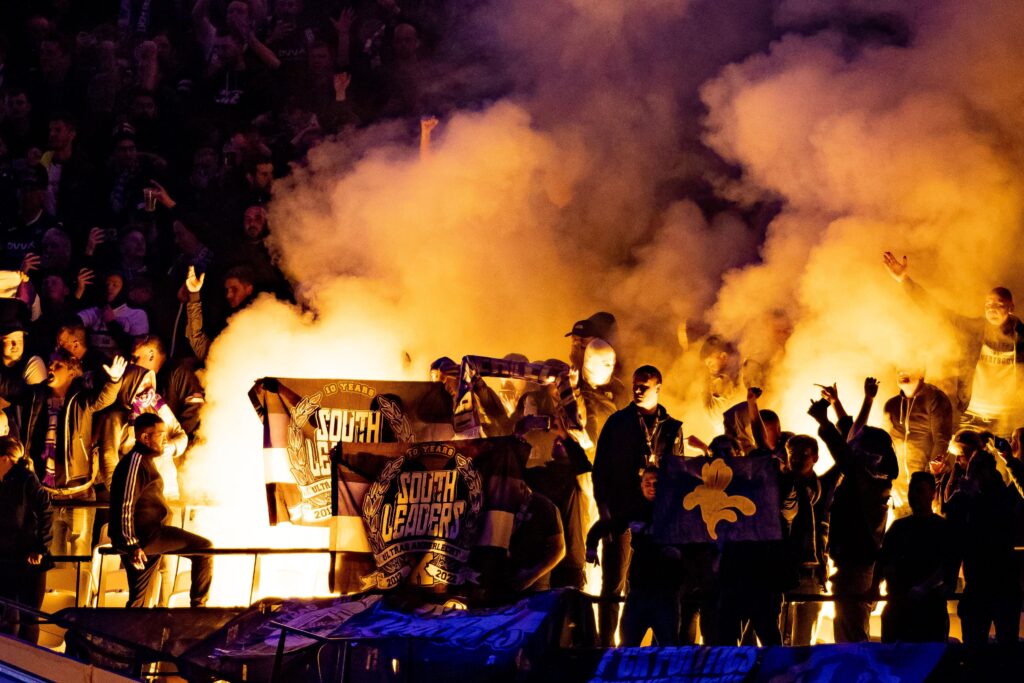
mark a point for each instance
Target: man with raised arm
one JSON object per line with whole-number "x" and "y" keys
{"x": 990, "y": 374}
{"x": 858, "y": 513}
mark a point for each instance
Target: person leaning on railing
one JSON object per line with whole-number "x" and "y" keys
{"x": 24, "y": 538}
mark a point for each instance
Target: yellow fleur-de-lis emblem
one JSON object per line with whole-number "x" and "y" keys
{"x": 715, "y": 504}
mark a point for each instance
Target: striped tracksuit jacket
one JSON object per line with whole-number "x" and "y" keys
{"x": 137, "y": 505}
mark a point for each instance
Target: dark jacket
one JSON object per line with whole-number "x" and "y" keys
{"x": 860, "y": 505}
{"x": 601, "y": 403}
{"x": 805, "y": 505}
{"x": 137, "y": 506}
{"x": 25, "y": 514}
{"x": 921, "y": 426}
{"x": 557, "y": 481}
{"x": 74, "y": 462}
{"x": 623, "y": 453}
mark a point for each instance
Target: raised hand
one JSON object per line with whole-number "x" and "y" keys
{"x": 115, "y": 371}
{"x": 896, "y": 268}
{"x": 193, "y": 283}
{"x": 829, "y": 393}
{"x": 870, "y": 387}
{"x": 819, "y": 410}
{"x": 343, "y": 24}
{"x": 427, "y": 124}
{"x": 341, "y": 83}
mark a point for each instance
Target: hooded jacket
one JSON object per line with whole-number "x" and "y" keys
{"x": 921, "y": 425}
{"x": 25, "y": 515}
{"x": 75, "y": 465}
{"x": 117, "y": 437}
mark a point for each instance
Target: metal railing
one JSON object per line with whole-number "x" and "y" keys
{"x": 257, "y": 553}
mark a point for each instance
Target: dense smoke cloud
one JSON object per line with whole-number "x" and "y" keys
{"x": 912, "y": 147}
{"x": 589, "y": 185}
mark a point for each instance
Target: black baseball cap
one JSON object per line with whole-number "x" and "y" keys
{"x": 583, "y": 328}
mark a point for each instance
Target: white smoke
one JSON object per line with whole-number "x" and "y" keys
{"x": 587, "y": 186}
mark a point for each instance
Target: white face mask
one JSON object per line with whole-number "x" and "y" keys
{"x": 598, "y": 363}
{"x": 909, "y": 388}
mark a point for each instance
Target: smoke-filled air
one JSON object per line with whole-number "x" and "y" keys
{"x": 735, "y": 168}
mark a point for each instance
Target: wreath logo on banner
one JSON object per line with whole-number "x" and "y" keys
{"x": 316, "y": 496}
{"x": 420, "y": 523}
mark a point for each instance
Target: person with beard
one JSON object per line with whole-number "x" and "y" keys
{"x": 603, "y": 393}
{"x": 921, "y": 424}
{"x": 139, "y": 516}
{"x": 990, "y": 377}
{"x": 638, "y": 436}
{"x": 239, "y": 292}
{"x": 113, "y": 326}
{"x": 72, "y": 196}
{"x": 858, "y": 514}
{"x": 55, "y": 421}
{"x": 25, "y": 535}
{"x": 252, "y": 253}
{"x": 128, "y": 173}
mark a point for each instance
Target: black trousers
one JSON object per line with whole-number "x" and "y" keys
{"x": 616, "y": 553}
{"x": 26, "y": 584}
{"x": 171, "y": 539}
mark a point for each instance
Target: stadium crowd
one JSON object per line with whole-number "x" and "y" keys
{"x": 140, "y": 142}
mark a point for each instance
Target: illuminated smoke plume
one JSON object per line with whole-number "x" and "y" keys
{"x": 586, "y": 185}
{"x": 908, "y": 140}
{"x": 533, "y": 211}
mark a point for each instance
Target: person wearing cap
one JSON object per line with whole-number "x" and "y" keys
{"x": 16, "y": 366}
{"x": 23, "y": 234}
{"x": 600, "y": 325}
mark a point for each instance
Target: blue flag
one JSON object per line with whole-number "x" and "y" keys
{"x": 707, "y": 500}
